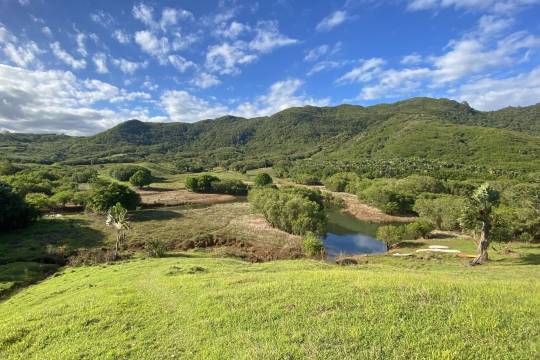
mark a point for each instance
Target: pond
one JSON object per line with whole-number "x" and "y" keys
{"x": 348, "y": 235}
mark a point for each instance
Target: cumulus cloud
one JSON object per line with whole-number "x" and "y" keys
{"x": 225, "y": 58}
{"x": 153, "y": 45}
{"x": 183, "y": 106}
{"x": 129, "y": 67}
{"x": 365, "y": 71}
{"x": 102, "y": 18}
{"x": 56, "y": 101}
{"x": 100, "y": 61}
{"x": 205, "y": 80}
{"x": 233, "y": 30}
{"x": 21, "y": 53}
{"x": 315, "y": 53}
{"x": 121, "y": 36}
{"x": 67, "y": 58}
{"x": 268, "y": 37}
{"x": 169, "y": 16}
{"x": 180, "y": 63}
{"x": 331, "y": 21}
{"x": 411, "y": 59}
{"x": 497, "y": 6}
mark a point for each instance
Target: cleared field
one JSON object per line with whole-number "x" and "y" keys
{"x": 200, "y": 308}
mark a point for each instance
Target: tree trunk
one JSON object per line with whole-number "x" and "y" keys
{"x": 117, "y": 245}
{"x": 483, "y": 245}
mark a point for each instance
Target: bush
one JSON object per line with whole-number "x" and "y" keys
{"x": 312, "y": 245}
{"x": 442, "y": 211}
{"x": 343, "y": 181}
{"x": 125, "y": 172}
{"x": 263, "y": 179}
{"x": 38, "y": 201}
{"x": 104, "y": 195}
{"x": 391, "y": 234}
{"x": 289, "y": 210}
{"x": 388, "y": 200}
{"x": 14, "y": 211}
{"x": 7, "y": 168}
{"x": 230, "y": 187}
{"x": 141, "y": 178}
{"x": 81, "y": 176}
{"x": 202, "y": 183}
{"x": 61, "y": 198}
{"x": 418, "y": 229}
{"x": 306, "y": 179}
{"x": 155, "y": 248}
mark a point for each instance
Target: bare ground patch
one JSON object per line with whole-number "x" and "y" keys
{"x": 369, "y": 213}
{"x": 163, "y": 197}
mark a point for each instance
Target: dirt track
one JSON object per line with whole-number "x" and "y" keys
{"x": 161, "y": 197}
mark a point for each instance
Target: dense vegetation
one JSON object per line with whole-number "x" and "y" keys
{"x": 14, "y": 211}
{"x": 294, "y": 210}
{"x": 212, "y": 184}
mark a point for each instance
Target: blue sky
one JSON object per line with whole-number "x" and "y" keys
{"x": 79, "y": 67}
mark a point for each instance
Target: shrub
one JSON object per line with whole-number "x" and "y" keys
{"x": 231, "y": 187}
{"x": 306, "y": 179}
{"x": 141, "y": 178}
{"x": 155, "y": 248}
{"x": 104, "y": 195}
{"x": 124, "y": 172}
{"x": 263, "y": 179}
{"x": 61, "y": 198}
{"x": 289, "y": 210}
{"x": 38, "y": 201}
{"x": 343, "y": 181}
{"x": 202, "y": 183}
{"x": 388, "y": 200}
{"x": 14, "y": 212}
{"x": 419, "y": 229}
{"x": 390, "y": 234}
{"x": 7, "y": 168}
{"x": 442, "y": 211}
{"x": 312, "y": 245}
{"x": 85, "y": 175}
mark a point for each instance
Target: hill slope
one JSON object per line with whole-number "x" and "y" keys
{"x": 303, "y": 132}
{"x": 198, "y": 308}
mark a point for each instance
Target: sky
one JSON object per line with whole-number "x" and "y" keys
{"x": 80, "y": 67}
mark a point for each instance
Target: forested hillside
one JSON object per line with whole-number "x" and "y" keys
{"x": 422, "y": 128}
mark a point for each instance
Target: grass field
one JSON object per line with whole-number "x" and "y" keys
{"x": 201, "y": 308}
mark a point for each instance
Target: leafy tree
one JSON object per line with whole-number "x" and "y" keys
{"x": 141, "y": 178}
{"x": 390, "y": 235}
{"x": 479, "y": 213}
{"x": 103, "y": 195}
{"x": 342, "y": 181}
{"x": 230, "y": 187}
{"x": 117, "y": 217}
{"x": 263, "y": 179}
{"x": 124, "y": 172}
{"x": 202, "y": 183}
{"x": 61, "y": 198}
{"x": 38, "y": 201}
{"x": 419, "y": 229}
{"x": 443, "y": 211}
{"x": 312, "y": 245}
{"x": 14, "y": 211}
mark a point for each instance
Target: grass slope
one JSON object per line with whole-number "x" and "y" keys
{"x": 202, "y": 308}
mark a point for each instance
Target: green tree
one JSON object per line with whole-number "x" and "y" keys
{"x": 14, "y": 211}
{"x": 390, "y": 235}
{"x": 479, "y": 213}
{"x": 312, "y": 245}
{"x": 443, "y": 210}
{"x": 39, "y": 201}
{"x": 117, "y": 218}
{"x": 263, "y": 179}
{"x": 141, "y": 178}
{"x": 61, "y": 198}
{"x": 103, "y": 195}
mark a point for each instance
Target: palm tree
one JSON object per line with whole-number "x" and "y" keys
{"x": 117, "y": 217}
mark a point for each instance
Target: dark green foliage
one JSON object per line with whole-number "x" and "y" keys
{"x": 289, "y": 210}
{"x": 230, "y": 187}
{"x": 391, "y": 234}
{"x": 155, "y": 248}
{"x": 7, "y": 168}
{"x": 61, "y": 198}
{"x": 103, "y": 195}
{"x": 263, "y": 179}
{"x": 141, "y": 178}
{"x": 38, "y": 201}
{"x": 418, "y": 229}
{"x": 312, "y": 245}
{"x": 125, "y": 172}
{"x": 306, "y": 179}
{"x": 14, "y": 212}
{"x": 201, "y": 183}
{"x": 84, "y": 175}
{"x": 388, "y": 199}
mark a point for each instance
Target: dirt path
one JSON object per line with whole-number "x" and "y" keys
{"x": 161, "y": 197}
{"x": 368, "y": 213}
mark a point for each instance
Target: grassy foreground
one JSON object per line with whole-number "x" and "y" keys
{"x": 203, "y": 308}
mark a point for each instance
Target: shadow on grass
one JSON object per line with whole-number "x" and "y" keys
{"x": 442, "y": 236}
{"x": 530, "y": 259}
{"x": 148, "y": 215}
{"x": 411, "y": 244}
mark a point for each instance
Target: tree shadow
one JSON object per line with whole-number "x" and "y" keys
{"x": 530, "y": 259}
{"x": 411, "y": 244}
{"x": 155, "y": 214}
{"x": 442, "y": 236}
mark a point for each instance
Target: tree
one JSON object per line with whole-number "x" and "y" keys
{"x": 61, "y": 198}
{"x": 263, "y": 179}
{"x": 103, "y": 195}
{"x": 390, "y": 235}
{"x": 141, "y": 179}
{"x": 39, "y": 201}
{"x": 312, "y": 245}
{"x": 14, "y": 211}
{"x": 117, "y": 217}
{"x": 479, "y": 211}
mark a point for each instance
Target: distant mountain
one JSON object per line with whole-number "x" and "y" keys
{"x": 436, "y": 129}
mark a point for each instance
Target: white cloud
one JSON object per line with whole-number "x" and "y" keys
{"x": 121, "y": 36}
{"x": 100, "y": 60}
{"x": 365, "y": 71}
{"x": 331, "y": 21}
{"x": 47, "y": 31}
{"x": 180, "y": 63}
{"x": 226, "y": 57}
{"x": 129, "y": 67}
{"x": 102, "y": 18}
{"x": 325, "y": 65}
{"x": 411, "y": 59}
{"x": 315, "y": 53}
{"x": 393, "y": 83}
{"x": 491, "y": 94}
{"x": 497, "y": 6}
{"x": 182, "y": 106}
{"x": 268, "y": 37}
{"x": 182, "y": 41}
{"x": 67, "y": 58}
{"x": 81, "y": 47}
{"x": 153, "y": 45}
{"x": 56, "y": 101}
{"x": 205, "y": 80}
{"x": 144, "y": 13}
{"x": 20, "y": 53}
{"x": 233, "y": 30}
{"x": 169, "y": 16}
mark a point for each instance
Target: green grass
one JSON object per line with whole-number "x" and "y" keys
{"x": 201, "y": 308}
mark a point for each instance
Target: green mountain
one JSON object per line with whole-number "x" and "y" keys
{"x": 434, "y": 129}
